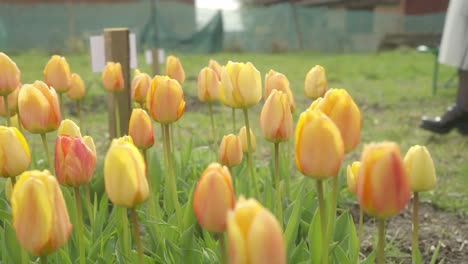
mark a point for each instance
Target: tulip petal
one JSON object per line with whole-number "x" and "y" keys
{"x": 237, "y": 247}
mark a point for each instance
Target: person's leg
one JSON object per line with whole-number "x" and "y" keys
{"x": 462, "y": 92}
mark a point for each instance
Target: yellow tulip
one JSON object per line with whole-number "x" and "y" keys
{"x": 40, "y": 216}
{"x": 68, "y": 127}
{"x": 315, "y": 84}
{"x": 9, "y": 75}
{"x": 140, "y": 128}
{"x": 276, "y": 120}
{"x": 254, "y": 235}
{"x": 38, "y": 108}
{"x": 230, "y": 150}
{"x": 165, "y": 100}
{"x": 12, "y": 103}
{"x": 14, "y": 152}
{"x": 319, "y": 147}
{"x": 420, "y": 169}
{"x": 351, "y": 176}
{"x": 125, "y": 174}
{"x": 241, "y": 85}
{"x": 77, "y": 88}
{"x": 213, "y": 198}
{"x": 208, "y": 85}
{"x": 140, "y": 85}
{"x": 215, "y": 66}
{"x": 174, "y": 69}
{"x": 278, "y": 81}
{"x": 112, "y": 77}
{"x": 243, "y": 137}
{"x": 57, "y": 74}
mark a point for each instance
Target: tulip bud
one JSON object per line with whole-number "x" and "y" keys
{"x": 230, "y": 150}
{"x": 57, "y": 74}
{"x": 174, "y": 69}
{"x": 340, "y": 107}
{"x": 243, "y": 137}
{"x": 215, "y": 66}
{"x": 9, "y": 75}
{"x": 254, "y": 235}
{"x": 213, "y": 198}
{"x": 319, "y": 147}
{"x": 125, "y": 174}
{"x": 12, "y": 104}
{"x": 140, "y": 85}
{"x": 69, "y": 128}
{"x": 351, "y": 175}
{"x": 382, "y": 184}
{"x": 140, "y": 128}
{"x": 74, "y": 160}
{"x": 14, "y": 152}
{"x": 40, "y": 216}
{"x": 38, "y": 108}
{"x": 315, "y": 84}
{"x": 420, "y": 169}
{"x": 112, "y": 77}
{"x": 77, "y": 88}
{"x": 278, "y": 81}
{"x": 165, "y": 100}
{"x": 241, "y": 86}
{"x": 276, "y": 120}
{"x": 208, "y": 85}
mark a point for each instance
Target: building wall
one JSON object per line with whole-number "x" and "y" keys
{"x": 420, "y": 7}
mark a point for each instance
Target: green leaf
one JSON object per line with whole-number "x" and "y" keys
{"x": 340, "y": 255}
{"x": 315, "y": 239}
{"x": 12, "y": 246}
{"x": 299, "y": 253}
{"x": 417, "y": 258}
{"x": 436, "y": 254}
{"x": 293, "y": 222}
{"x": 370, "y": 258}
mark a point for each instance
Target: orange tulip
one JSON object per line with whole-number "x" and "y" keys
{"x": 165, "y": 100}
{"x": 213, "y": 198}
{"x": 341, "y": 108}
{"x": 276, "y": 119}
{"x": 57, "y": 74}
{"x": 208, "y": 85}
{"x": 174, "y": 69}
{"x": 278, "y": 81}
{"x": 14, "y": 152}
{"x": 140, "y": 129}
{"x": 351, "y": 176}
{"x": 12, "y": 104}
{"x": 40, "y": 216}
{"x": 319, "y": 147}
{"x": 254, "y": 235}
{"x": 9, "y": 75}
{"x": 38, "y": 108}
{"x": 241, "y": 85}
{"x": 112, "y": 77}
{"x": 140, "y": 85}
{"x": 215, "y": 66}
{"x": 77, "y": 88}
{"x": 243, "y": 137}
{"x": 230, "y": 150}
{"x": 315, "y": 84}
{"x": 383, "y": 187}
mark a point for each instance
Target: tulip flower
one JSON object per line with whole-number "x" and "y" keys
{"x": 77, "y": 88}
{"x": 241, "y": 85}
{"x": 315, "y": 84}
{"x": 276, "y": 119}
{"x": 141, "y": 129}
{"x": 230, "y": 150}
{"x": 216, "y": 67}
{"x": 14, "y": 152}
{"x": 351, "y": 176}
{"x": 383, "y": 187}
{"x": 12, "y": 104}
{"x": 243, "y": 137}
{"x": 278, "y": 81}
{"x": 254, "y": 235}
{"x": 40, "y": 216}
{"x": 174, "y": 69}
{"x": 57, "y": 74}
{"x": 69, "y": 128}
{"x": 341, "y": 108}
{"x": 165, "y": 100}
{"x": 213, "y": 198}
{"x": 112, "y": 77}
{"x": 140, "y": 85}
{"x": 208, "y": 85}
{"x": 9, "y": 75}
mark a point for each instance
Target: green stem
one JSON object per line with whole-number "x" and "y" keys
{"x": 61, "y": 103}
{"x": 213, "y": 129}
{"x": 222, "y": 116}
{"x": 79, "y": 229}
{"x": 361, "y": 218}
{"x": 171, "y": 179}
{"x": 78, "y": 113}
{"x": 415, "y": 243}
{"x": 322, "y": 221}
{"x": 117, "y": 115}
{"x": 287, "y": 177}
{"x": 250, "y": 162}
{"x": 136, "y": 235}
{"x": 13, "y": 181}
{"x": 233, "y": 119}
{"x": 20, "y": 126}
{"x": 332, "y": 212}
{"x": 7, "y": 110}
{"x": 46, "y": 148}
{"x": 279, "y": 206}
{"x": 24, "y": 256}
{"x": 124, "y": 236}
{"x": 43, "y": 259}
{"x": 89, "y": 205}
{"x": 381, "y": 243}
{"x": 222, "y": 245}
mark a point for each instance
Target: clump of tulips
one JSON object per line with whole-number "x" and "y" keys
{"x": 215, "y": 213}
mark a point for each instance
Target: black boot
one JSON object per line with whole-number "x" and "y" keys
{"x": 454, "y": 117}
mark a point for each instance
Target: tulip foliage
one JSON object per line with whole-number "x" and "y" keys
{"x": 183, "y": 203}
